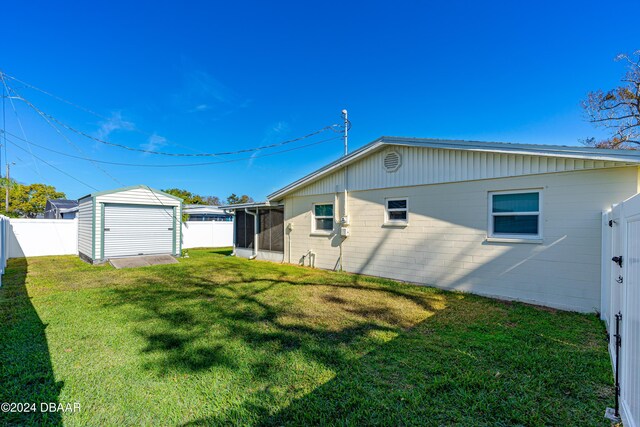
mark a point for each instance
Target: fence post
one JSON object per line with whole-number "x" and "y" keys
{"x": 3, "y": 246}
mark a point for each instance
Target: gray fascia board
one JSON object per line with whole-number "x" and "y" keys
{"x": 587, "y": 153}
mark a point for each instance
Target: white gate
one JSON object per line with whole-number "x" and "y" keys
{"x": 621, "y": 295}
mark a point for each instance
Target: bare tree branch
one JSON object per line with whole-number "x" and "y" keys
{"x": 618, "y": 109}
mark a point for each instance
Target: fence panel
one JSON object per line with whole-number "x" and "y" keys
{"x": 207, "y": 234}
{"x": 38, "y": 237}
{"x": 4, "y": 252}
{"x": 621, "y": 257}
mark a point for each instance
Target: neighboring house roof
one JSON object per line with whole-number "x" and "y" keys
{"x": 586, "y": 153}
{"x": 203, "y": 209}
{"x": 62, "y": 204}
{"x": 251, "y": 205}
{"x": 69, "y": 210}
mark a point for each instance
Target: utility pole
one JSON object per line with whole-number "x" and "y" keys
{"x": 6, "y": 200}
{"x": 4, "y": 121}
{"x": 344, "y": 221}
{"x": 346, "y": 131}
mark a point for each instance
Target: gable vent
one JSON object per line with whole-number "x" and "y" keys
{"x": 392, "y": 161}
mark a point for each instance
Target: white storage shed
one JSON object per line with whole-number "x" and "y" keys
{"x": 128, "y": 221}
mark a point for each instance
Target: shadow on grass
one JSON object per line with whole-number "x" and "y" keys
{"x": 475, "y": 362}
{"x": 222, "y": 251}
{"x": 26, "y": 373}
{"x": 463, "y": 376}
{"x": 235, "y": 310}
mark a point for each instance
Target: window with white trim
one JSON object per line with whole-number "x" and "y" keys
{"x": 396, "y": 211}
{"x": 515, "y": 214}
{"x": 323, "y": 217}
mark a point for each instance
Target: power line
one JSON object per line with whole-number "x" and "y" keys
{"x": 4, "y": 124}
{"x": 55, "y": 96}
{"x": 178, "y": 165}
{"x": 333, "y": 127}
{"x": 19, "y": 122}
{"x": 114, "y": 179}
{"x": 54, "y": 167}
{"x": 85, "y": 109}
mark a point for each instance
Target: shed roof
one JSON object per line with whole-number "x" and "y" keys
{"x": 132, "y": 187}
{"x": 587, "y": 153}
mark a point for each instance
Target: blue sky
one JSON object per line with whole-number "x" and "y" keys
{"x": 189, "y": 77}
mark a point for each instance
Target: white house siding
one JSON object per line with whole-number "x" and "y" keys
{"x": 85, "y": 225}
{"x": 433, "y": 166}
{"x": 445, "y": 242}
{"x": 137, "y": 196}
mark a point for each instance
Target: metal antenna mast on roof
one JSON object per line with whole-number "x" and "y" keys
{"x": 346, "y": 131}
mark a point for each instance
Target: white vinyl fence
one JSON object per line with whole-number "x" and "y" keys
{"x": 4, "y": 225}
{"x": 38, "y": 237}
{"x": 207, "y": 234}
{"x": 621, "y": 301}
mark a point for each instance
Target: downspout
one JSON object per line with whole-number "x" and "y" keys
{"x": 255, "y": 232}
{"x": 289, "y": 231}
{"x": 235, "y": 234}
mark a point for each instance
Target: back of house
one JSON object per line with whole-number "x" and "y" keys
{"x": 512, "y": 221}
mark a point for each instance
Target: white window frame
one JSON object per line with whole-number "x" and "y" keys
{"x": 314, "y": 230}
{"x": 387, "y": 219}
{"x": 515, "y": 237}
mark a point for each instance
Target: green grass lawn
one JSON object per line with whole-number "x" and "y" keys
{"x": 221, "y": 340}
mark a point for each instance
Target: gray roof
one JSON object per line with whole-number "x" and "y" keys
{"x": 251, "y": 205}
{"x": 63, "y": 203}
{"x": 588, "y": 153}
{"x": 203, "y": 209}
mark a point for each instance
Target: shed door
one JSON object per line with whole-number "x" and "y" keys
{"x": 137, "y": 230}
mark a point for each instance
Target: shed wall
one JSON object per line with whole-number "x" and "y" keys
{"x": 432, "y": 166}
{"x": 85, "y": 226}
{"x": 137, "y": 196}
{"x": 445, "y": 242}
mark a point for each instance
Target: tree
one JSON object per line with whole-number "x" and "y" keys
{"x": 193, "y": 199}
{"x": 236, "y": 200}
{"x": 30, "y": 200}
{"x": 187, "y": 196}
{"x": 212, "y": 200}
{"x": 618, "y": 110}
{"x": 11, "y": 184}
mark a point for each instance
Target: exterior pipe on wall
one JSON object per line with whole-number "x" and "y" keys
{"x": 289, "y": 231}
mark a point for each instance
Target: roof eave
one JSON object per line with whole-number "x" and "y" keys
{"x": 252, "y": 205}
{"x": 325, "y": 170}
{"x": 585, "y": 153}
